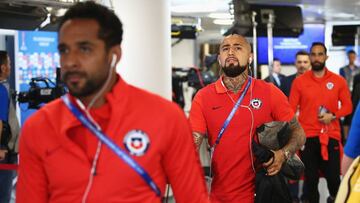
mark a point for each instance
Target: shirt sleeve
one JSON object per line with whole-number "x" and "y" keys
{"x": 352, "y": 147}
{"x": 196, "y": 117}
{"x": 182, "y": 165}
{"x": 345, "y": 99}
{"x": 294, "y": 98}
{"x": 32, "y": 181}
{"x": 280, "y": 107}
{"x": 4, "y": 103}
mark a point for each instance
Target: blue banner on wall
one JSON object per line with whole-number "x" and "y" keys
{"x": 285, "y": 48}
{"x": 37, "y": 56}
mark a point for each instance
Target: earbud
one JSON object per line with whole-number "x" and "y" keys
{"x": 113, "y": 60}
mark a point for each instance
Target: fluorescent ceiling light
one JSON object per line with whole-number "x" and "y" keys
{"x": 195, "y": 8}
{"x": 344, "y": 15}
{"x": 310, "y": 18}
{"x": 220, "y": 15}
{"x": 61, "y": 12}
{"x": 223, "y": 21}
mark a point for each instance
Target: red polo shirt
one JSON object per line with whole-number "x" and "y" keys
{"x": 232, "y": 162}
{"x": 56, "y": 152}
{"x": 308, "y": 93}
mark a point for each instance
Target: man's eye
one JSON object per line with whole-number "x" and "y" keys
{"x": 85, "y": 49}
{"x": 226, "y": 49}
{"x": 62, "y": 50}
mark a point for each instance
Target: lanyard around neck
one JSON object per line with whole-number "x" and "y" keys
{"x": 232, "y": 113}
{"x": 109, "y": 143}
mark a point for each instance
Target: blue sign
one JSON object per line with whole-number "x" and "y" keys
{"x": 285, "y": 48}
{"x": 37, "y": 56}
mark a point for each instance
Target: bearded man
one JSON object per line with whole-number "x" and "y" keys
{"x": 317, "y": 94}
{"x": 228, "y": 111}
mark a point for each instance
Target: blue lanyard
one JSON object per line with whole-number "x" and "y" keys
{"x": 108, "y": 142}
{"x": 232, "y": 113}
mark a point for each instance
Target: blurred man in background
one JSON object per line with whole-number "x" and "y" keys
{"x": 350, "y": 70}
{"x": 9, "y": 129}
{"x": 275, "y": 76}
{"x": 302, "y": 64}
{"x": 351, "y": 74}
{"x": 316, "y": 95}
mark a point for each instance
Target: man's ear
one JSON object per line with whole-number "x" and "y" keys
{"x": 250, "y": 58}
{"x": 2, "y": 68}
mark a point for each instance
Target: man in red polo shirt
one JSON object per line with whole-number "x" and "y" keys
{"x": 232, "y": 163}
{"x": 61, "y": 159}
{"x": 316, "y": 94}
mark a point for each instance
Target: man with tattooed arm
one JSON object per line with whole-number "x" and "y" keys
{"x": 249, "y": 103}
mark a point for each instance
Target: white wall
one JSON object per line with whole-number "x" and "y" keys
{"x": 146, "y": 60}
{"x": 337, "y": 55}
{"x": 183, "y": 53}
{"x": 2, "y": 42}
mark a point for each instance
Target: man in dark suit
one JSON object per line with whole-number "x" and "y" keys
{"x": 302, "y": 64}
{"x": 356, "y": 81}
{"x": 355, "y": 97}
{"x": 350, "y": 70}
{"x": 275, "y": 76}
{"x": 351, "y": 73}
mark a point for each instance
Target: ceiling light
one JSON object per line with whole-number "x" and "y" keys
{"x": 344, "y": 15}
{"x": 61, "y": 12}
{"x": 220, "y": 15}
{"x": 310, "y": 18}
{"x": 223, "y": 21}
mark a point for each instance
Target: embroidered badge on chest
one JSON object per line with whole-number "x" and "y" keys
{"x": 136, "y": 142}
{"x": 330, "y": 85}
{"x": 256, "y": 103}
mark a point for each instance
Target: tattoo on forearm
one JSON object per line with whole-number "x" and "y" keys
{"x": 297, "y": 138}
{"x": 198, "y": 138}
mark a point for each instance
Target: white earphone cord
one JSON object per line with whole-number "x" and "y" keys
{"x": 87, "y": 112}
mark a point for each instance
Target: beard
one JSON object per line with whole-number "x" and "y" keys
{"x": 86, "y": 86}
{"x": 317, "y": 66}
{"x": 233, "y": 70}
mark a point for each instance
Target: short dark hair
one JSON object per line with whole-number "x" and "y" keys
{"x": 110, "y": 26}
{"x": 302, "y": 52}
{"x": 318, "y": 44}
{"x": 3, "y": 58}
{"x": 276, "y": 59}
{"x": 351, "y": 52}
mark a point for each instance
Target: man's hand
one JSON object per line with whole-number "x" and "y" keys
{"x": 3, "y": 154}
{"x": 326, "y": 118}
{"x": 273, "y": 166}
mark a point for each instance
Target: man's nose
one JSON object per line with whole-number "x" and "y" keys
{"x": 231, "y": 51}
{"x": 69, "y": 61}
